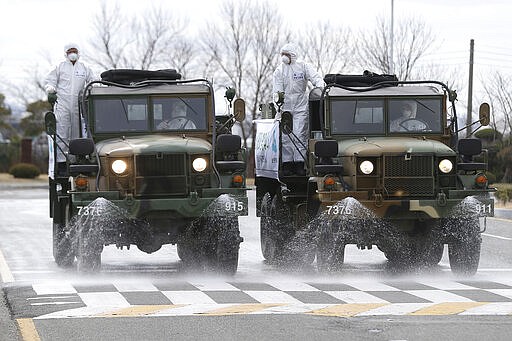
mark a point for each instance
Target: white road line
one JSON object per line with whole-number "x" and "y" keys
{"x": 214, "y": 286}
{"x": 76, "y": 313}
{"x": 445, "y": 284}
{"x": 502, "y": 292}
{"x": 438, "y": 296}
{"x": 291, "y": 309}
{"x": 188, "y": 297}
{"x": 5, "y": 273}
{"x": 190, "y": 310}
{"x": 356, "y": 297}
{"x": 104, "y": 299}
{"x": 134, "y": 286}
{"x": 497, "y": 308}
{"x": 370, "y": 286}
{"x": 271, "y": 296}
{"x": 395, "y": 309}
{"x": 53, "y": 288}
{"x": 291, "y": 286}
{"x": 494, "y": 236}
{"x": 50, "y": 297}
{"x": 54, "y": 303}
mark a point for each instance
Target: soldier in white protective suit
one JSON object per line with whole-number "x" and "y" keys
{"x": 291, "y": 77}
{"x": 65, "y": 81}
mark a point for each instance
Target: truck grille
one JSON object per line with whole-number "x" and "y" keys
{"x": 412, "y": 177}
{"x": 160, "y": 174}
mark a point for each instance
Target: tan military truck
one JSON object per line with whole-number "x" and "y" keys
{"x": 386, "y": 168}
{"x": 156, "y": 167}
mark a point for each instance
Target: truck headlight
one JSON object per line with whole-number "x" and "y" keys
{"x": 445, "y": 166}
{"x": 119, "y": 166}
{"x": 366, "y": 167}
{"x": 199, "y": 164}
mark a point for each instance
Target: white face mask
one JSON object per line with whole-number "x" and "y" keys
{"x": 73, "y": 57}
{"x": 285, "y": 59}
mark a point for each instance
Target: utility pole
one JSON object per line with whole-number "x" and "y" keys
{"x": 469, "y": 117}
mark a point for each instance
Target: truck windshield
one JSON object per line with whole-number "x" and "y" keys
{"x": 415, "y": 115}
{"x": 179, "y": 113}
{"x": 357, "y": 116}
{"x": 118, "y": 114}
{"x": 369, "y": 116}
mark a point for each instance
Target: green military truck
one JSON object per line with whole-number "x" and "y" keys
{"x": 385, "y": 168}
{"x": 156, "y": 167}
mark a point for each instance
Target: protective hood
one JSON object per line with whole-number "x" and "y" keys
{"x": 291, "y": 50}
{"x": 70, "y": 46}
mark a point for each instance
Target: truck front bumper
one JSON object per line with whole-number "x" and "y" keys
{"x": 234, "y": 202}
{"x": 472, "y": 203}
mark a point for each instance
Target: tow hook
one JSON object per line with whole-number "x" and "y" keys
{"x": 129, "y": 199}
{"x": 441, "y": 199}
{"x": 193, "y": 198}
{"x": 377, "y": 197}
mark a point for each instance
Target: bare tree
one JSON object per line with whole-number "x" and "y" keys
{"x": 327, "y": 46}
{"x": 412, "y": 39}
{"x": 241, "y": 52}
{"x": 151, "y": 40}
{"x": 108, "y": 41}
{"x": 499, "y": 93}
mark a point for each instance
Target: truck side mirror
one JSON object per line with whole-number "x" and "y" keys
{"x": 239, "y": 109}
{"x": 484, "y": 114}
{"x": 50, "y": 123}
{"x": 81, "y": 147}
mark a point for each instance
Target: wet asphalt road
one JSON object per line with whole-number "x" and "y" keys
{"x": 25, "y": 242}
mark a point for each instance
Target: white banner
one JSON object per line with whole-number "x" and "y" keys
{"x": 51, "y": 159}
{"x": 267, "y": 148}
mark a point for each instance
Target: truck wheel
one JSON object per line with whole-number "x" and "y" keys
{"x": 62, "y": 247}
{"x": 464, "y": 250}
{"x": 218, "y": 246}
{"x": 89, "y": 248}
{"x": 190, "y": 256}
{"x": 433, "y": 254}
{"x": 330, "y": 253}
{"x": 430, "y": 245}
{"x": 269, "y": 245}
{"x": 228, "y": 245}
{"x": 181, "y": 250}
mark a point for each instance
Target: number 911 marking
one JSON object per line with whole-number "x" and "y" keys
{"x": 236, "y": 206}
{"x": 483, "y": 209}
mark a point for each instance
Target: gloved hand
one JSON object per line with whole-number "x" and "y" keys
{"x": 50, "y": 89}
{"x": 52, "y": 98}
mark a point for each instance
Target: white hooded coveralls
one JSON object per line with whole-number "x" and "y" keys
{"x": 292, "y": 79}
{"x": 67, "y": 79}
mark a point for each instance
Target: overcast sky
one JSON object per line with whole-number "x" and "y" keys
{"x": 30, "y": 27}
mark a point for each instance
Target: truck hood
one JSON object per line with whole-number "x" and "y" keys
{"x": 377, "y": 146}
{"x": 148, "y": 144}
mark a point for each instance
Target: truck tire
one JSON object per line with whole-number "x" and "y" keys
{"x": 228, "y": 245}
{"x": 464, "y": 250}
{"x": 330, "y": 254}
{"x": 63, "y": 252}
{"x": 88, "y": 256}
{"x": 268, "y": 243}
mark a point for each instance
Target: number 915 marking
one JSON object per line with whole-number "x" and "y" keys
{"x": 236, "y": 206}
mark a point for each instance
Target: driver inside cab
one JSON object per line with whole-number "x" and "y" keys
{"x": 176, "y": 118}
{"x": 406, "y": 118}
